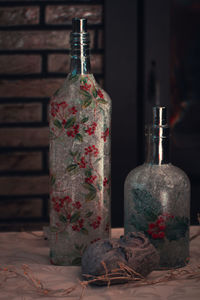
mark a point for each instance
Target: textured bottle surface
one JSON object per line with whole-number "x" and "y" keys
{"x": 79, "y": 168}
{"x": 157, "y": 202}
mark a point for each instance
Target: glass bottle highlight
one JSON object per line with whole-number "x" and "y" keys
{"x": 79, "y": 157}
{"x": 157, "y": 198}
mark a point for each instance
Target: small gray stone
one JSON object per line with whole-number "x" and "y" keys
{"x": 133, "y": 250}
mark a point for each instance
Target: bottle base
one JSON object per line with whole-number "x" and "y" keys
{"x": 165, "y": 267}
{"x": 64, "y": 260}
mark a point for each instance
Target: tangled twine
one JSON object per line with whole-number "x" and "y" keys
{"x": 122, "y": 273}
{"x": 129, "y": 276}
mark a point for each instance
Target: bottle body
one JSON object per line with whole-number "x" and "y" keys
{"x": 157, "y": 198}
{"x": 157, "y": 202}
{"x": 79, "y": 168}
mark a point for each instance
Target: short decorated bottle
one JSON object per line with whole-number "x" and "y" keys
{"x": 157, "y": 198}
{"x": 79, "y": 122}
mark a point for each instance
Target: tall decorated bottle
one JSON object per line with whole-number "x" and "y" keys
{"x": 79, "y": 114}
{"x": 157, "y": 198}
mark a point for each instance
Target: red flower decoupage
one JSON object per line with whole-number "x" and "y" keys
{"x": 80, "y": 193}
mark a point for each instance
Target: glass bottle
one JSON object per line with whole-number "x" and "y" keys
{"x": 79, "y": 125}
{"x": 157, "y": 198}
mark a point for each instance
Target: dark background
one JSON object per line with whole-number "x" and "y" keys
{"x": 136, "y": 45}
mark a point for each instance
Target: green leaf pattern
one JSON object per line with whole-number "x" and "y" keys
{"x": 71, "y": 122}
{"x": 148, "y": 217}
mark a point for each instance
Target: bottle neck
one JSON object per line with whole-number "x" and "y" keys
{"x": 157, "y": 142}
{"x": 80, "y": 56}
{"x": 160, "y": 151}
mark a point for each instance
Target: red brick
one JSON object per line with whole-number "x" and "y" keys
{"x": 21, "y": 161}
{"x": 61, "y": 63}
{"x": 63, "y": 14}
{"x": 24, "y": 185}
{"x": 37, "y": 39}
{"x": 15, "y": 137}
{"x": 58, "y": 63}
{"x": 20, "y": 64}
{"x": 29, "y": 87}
{"x": 25, "y": 208}
{"x": 20, "y": 112}
{"x": 19, "y": 15}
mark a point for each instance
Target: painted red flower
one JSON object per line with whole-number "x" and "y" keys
{"x": 53, "y": 199}
{"x": 152, "y": 225}
{"x": 70, "y": 133}
{"x": 58, "y": 203}
{"x": 88, "y": 150}
{"x": 107, "y": 227}
{"x": 90, "y": 179}
{"x": 85, "y": 87}
{"x": 77, "y": 204}
{"x": 100, "y": 94}
{"x": 54, "y": 108}
{"x": 161, "y": 234}
{"x": 105, "y": 134}
{"x": 69, "y": 216}
{"x": 155, "y": 235}
{"x": 78, "y": 226}
{"x": 91, "y": 130}
{"x": 162, "y": 227}
{"x": 82, "y": 163}
{"x": 105, "y": 181}
{"x": 92, "y": 150}
{"x": 76, "y": 129}
{"x": 160, "y": 220}
{"x": 157, "y": 229}
{"x": 95, "y": 224}
{"x": 75, "y": 228}
{"x": 63, "y": 105}
{"x": 95, "y": 240}
{"x": 73, "y": 110}
{"x": 68, "y": 199}
{"x": 57, "y": 207}
{"x": 80, "y": 223}
{"x": 166, "y": 216}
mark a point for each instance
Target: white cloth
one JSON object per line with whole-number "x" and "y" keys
{"x": 30, "y": 248}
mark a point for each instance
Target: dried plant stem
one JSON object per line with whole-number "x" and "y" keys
{"x": 123, "y": 273}
{"x": 139, "y": 280}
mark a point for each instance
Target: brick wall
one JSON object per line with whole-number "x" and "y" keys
{"x": 34, "y": 60}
